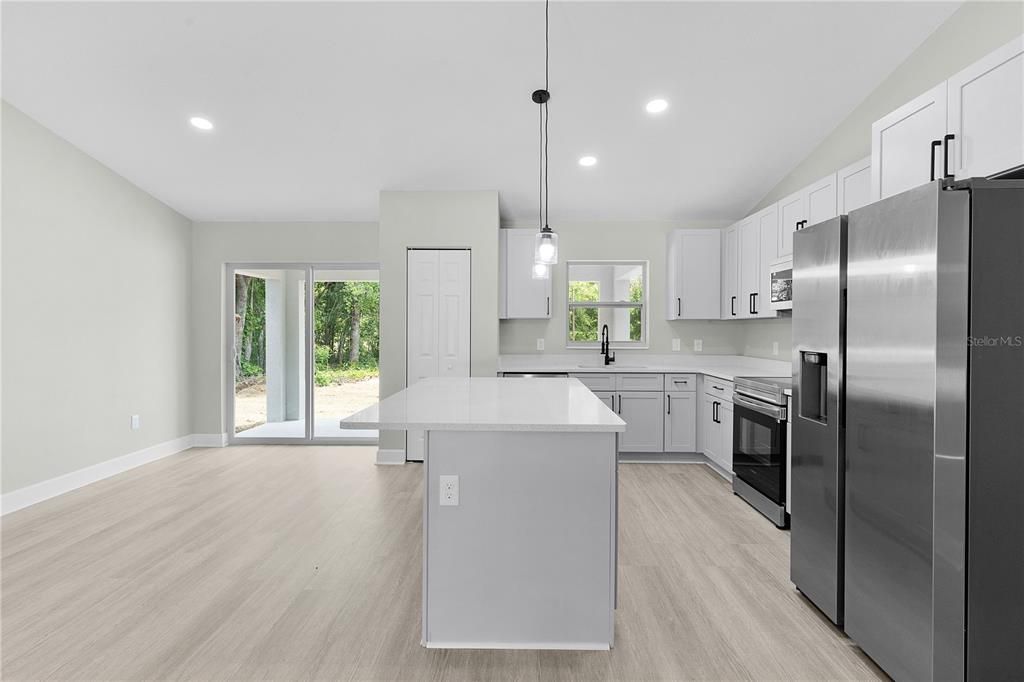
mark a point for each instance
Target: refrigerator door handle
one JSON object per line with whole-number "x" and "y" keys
{"x": 935, "y": 143}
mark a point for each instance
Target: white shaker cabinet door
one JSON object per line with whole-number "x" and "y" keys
{"x": 710, "y": 434}
{"x": 730, "y": 273}
{"x": 645, "y": 424}
{"x": 821, "y": 202}
{"x": 525, "y": 297}
{"x": 986, "y": 113}
{"x": 905, "y": 144}
{"x": 853, "y": 186}
{"x": 725, "y": 412}
{"x": 680, "y": 422}
{"x": 792, "y": 213}
{"x": 748, "y": 266}
{"x": 606, "y": 397}
{"x": 767, "y": 222}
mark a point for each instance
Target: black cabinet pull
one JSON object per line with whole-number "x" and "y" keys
{"x": 750, "y": 301}
{"x": 679, "y": 307}
{"x": 935, "y": 143}
{"x": 714, "y": 412}
{"x": 732, "y": 306}
{"x": 945, "y": 155}
{"x": 669, "y": 400}
{"x": 549, "y": 306}
{"x": 755, "y": 303}
{"x": 620, "y": 403}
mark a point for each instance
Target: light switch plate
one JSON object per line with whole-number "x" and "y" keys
{"x": 698, "y": 345}
{"x": 675, "y": 344}
{"x": 540, "y": 344}
{"x": 135, "y": 422}
{"x": 449, "y": 491}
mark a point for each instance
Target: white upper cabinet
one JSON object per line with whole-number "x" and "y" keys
{"x": 520, "y": 295}
{"x": 730, "y": 272}
{"x": 810, "y": 205}
{"x": 906, "y": 144}
{"x": 748, "y": 266}
{"x": 767, "y": 222}
{"x": 693, "y": 275}
{"x": 986, "y": 114}
{"x": 821, "y": 203}
{"x": 792, "y": 213}
{"x": 853, "y": 186}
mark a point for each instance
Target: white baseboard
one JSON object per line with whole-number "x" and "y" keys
{"x": 44, "y": 490}
{"x": 390, "y": 456}
{"x": 209, "y": 440}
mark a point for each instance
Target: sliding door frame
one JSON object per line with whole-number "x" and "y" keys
{"x": 228, "y": 343}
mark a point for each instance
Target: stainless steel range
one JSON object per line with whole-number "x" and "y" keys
{"x": 759, "y": 443}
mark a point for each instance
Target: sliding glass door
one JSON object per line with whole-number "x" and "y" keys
{"x": 303, "y": 350}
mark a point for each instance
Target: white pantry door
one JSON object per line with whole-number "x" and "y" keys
{"x": 437, "y": 327}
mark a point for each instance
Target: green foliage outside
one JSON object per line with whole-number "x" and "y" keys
{"x": 346, "y": 322}
{"x": 583, "y": 322}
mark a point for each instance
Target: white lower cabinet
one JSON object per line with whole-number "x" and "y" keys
{"x": 716, "y": 431}
{"x": 607, "y": 397}
{"x": 645, "y": 421}
{"x": 680, "y": 422}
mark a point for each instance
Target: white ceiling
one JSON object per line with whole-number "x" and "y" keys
{"x": 319, "y": 106}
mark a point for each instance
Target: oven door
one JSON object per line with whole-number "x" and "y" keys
{"x": 759, "y": 446}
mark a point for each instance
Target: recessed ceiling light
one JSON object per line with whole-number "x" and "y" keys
{"x": 587, "y": 161}
{"x": 201, "y": 123}
{"x": 656, "y": 106}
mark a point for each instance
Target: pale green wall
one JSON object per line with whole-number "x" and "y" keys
{"x": 623, "y": 241}
{"x": 430, "y": 220}
{"x": 95, "y": 310}
{"x": 216, "y": 244}
{"x": 973, "y": 31}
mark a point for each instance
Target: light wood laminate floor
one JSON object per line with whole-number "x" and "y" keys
{"x": 304, "y": 562}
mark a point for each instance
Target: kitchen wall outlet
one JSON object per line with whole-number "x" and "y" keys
{"x": 775, "y": 347}
{"x": 675, "y": 344}
{"x": 135, "y": 422}
{"x": 698, "y": 345}
{"x": 540, "y": 344}
{"x": 449, "y": 491}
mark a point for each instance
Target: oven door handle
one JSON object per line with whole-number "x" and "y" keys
{"x": 774, "y": 411}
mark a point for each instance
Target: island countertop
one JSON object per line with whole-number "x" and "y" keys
{"x": 489, "y": 404}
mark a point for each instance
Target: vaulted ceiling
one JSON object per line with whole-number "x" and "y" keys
{"x": 318, "y": 106}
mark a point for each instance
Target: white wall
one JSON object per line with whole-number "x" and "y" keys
{"x": 214, "y": 245}
{"x": 95, "y": 310}
{"x": 619, "y": 241}
{"x": 467, "y": 220}
{"x": 973, "y": 31}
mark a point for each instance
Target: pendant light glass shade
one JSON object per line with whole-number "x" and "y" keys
{"x": 546, "y": 247}
{"x": 541, "y": 271}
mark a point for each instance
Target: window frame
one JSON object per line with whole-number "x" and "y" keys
{"x": 643, "y": 306}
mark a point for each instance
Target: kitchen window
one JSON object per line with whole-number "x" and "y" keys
{"x": 612, "y": 293}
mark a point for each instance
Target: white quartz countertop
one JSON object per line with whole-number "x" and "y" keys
{"x": 490, "y": 404}
{"x": 726, "y": 367}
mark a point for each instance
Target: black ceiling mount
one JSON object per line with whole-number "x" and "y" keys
{"x": 540, "y": 96}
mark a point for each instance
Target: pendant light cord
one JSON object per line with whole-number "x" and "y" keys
{"x": 547, "y": 60}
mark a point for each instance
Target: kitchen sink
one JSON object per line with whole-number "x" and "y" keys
{"x": 614, "y": 365}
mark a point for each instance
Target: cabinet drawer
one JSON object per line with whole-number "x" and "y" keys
{"x": 597, "y": 382}
{"x": 719, "y": 388}
{"x": 640, "y": 382}
{"x": 681, "y": 382}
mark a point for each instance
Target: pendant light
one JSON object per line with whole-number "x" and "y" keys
{"x": 546, "y": 246}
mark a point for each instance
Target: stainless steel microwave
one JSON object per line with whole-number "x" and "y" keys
{"x": 782, "y": 283}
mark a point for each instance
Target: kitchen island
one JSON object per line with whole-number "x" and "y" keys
{"x": 519, "y": 512}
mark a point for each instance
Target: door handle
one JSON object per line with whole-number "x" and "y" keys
{"x": 549, "y": 306}
{"x": 732, "y": 306}
{"x": 935, "y": 143}
{"x": 750, "y": 301}
{"x": 668, "y": 399}
{"x": 754, "y": 311}
{"x": 949, "y": 137}
{"x": 714, "y": 412}
{"x": 620, "y": 403}
{"x": 679, "y": 307}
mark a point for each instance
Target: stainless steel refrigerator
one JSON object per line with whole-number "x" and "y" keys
{"x": 908, "y": 435}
